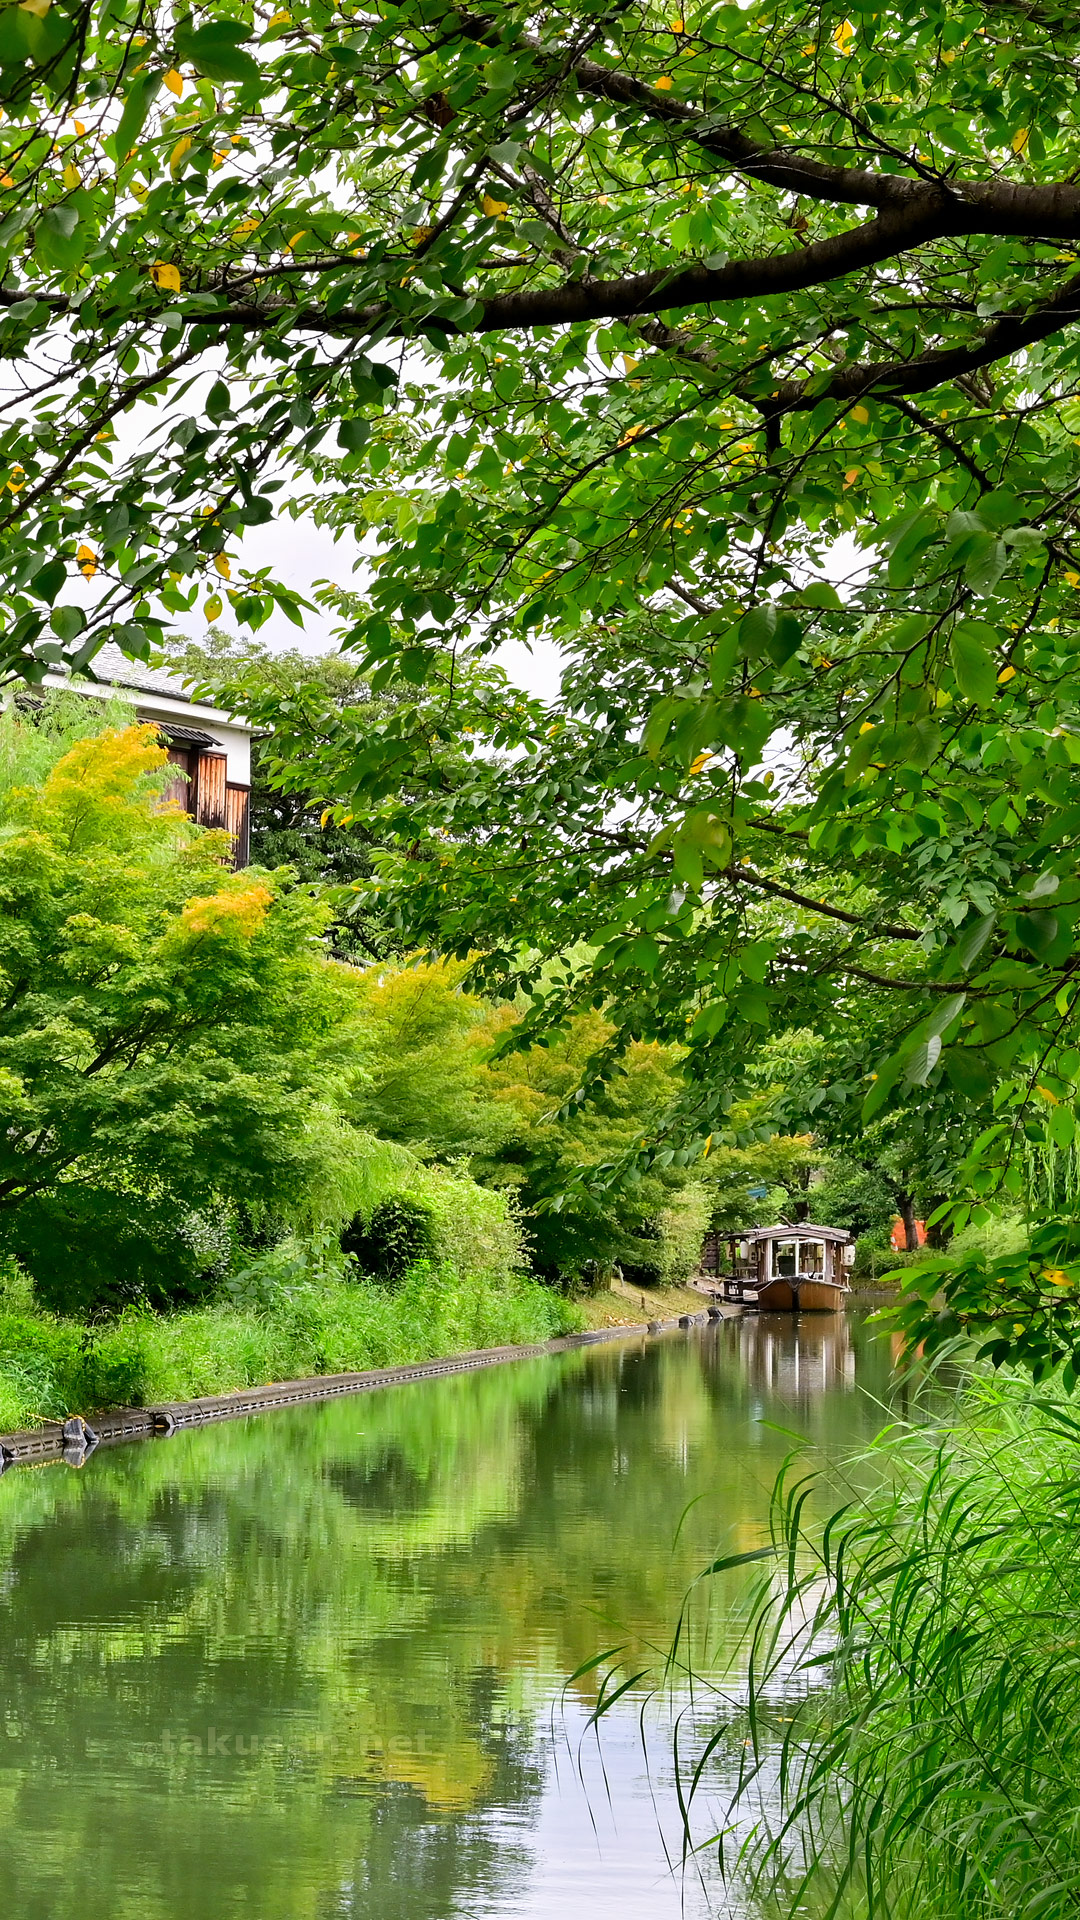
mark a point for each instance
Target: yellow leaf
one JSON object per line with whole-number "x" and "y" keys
{"x": 222, "y": 565}
{"x": 140, "y": 192}
{"x": 175, "y": 82}
{"x": 39, "y": 8}
{"x": 212, "y": 609}
{"x": 246, "y": 226}
{"x": 182, "y": 146}
{"x": 219, "y": 159}
{"x": 290, "y": 244}
{"x": 677, "y": 27}
{"x": 281, "y": 18}
{"x": 701, "y": 760}
{"x": 495, "y": 209}
{"x": 1006, "y": 674}
{"x": 860, "y": 414}
{"x": 630, "y": 365}
{"x": 79, "y": 128}
{"x": 664, "y": 84}
{"x": 843, "y": 35}
{"x": 850, "y": 477}
{"x": 1020, "y": 140}
{"x": 1047, "y": 1095}
{"x": 948, "y": 56}
{"x": 71, "y": 176}
{"x": 1073, "y": 579}
{"x": 87, "y": 560}
{"x": 867, "y": 727}
{"x": 6, "y": 180}
{"x": 165, "y": 276}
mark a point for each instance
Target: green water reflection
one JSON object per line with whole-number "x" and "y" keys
{"x": 312, "y": 1663}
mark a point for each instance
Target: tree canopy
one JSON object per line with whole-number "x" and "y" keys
{"x": 168, "y": 1032}
{"x": 734, "y": 350}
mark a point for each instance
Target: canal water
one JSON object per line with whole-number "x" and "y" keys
{"x": 318, "y": 1663}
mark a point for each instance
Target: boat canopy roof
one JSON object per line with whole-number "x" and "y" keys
{"x": 801, "y": 1230}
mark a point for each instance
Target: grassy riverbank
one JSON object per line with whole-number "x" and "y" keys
{"x": 50, "y": 1367}
{"x": 622, "y": 1305}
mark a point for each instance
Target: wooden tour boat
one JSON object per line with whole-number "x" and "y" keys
{"x": 787, "y": 1269}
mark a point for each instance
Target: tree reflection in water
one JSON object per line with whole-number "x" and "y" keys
{"x": 312, "y": 1663}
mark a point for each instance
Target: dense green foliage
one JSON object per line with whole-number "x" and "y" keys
{"x": 917, "y": 1672}
{"x": 178, "y": 1054}
{"x": 165, "y": 1029}
{"x": 441, "y": 1079}
{"x": 733, "y": 352}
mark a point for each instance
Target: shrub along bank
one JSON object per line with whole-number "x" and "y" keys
{"x": 300, "y": 1326}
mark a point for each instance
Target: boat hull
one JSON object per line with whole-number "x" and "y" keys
{"x": 803, "y": 1296}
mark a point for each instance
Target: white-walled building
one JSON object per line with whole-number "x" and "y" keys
{"x": 210, "y": 749}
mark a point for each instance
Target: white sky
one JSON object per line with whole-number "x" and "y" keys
{"x": 302, "y": 553}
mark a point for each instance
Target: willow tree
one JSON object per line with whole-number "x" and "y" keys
{"x": 638, "y": 331}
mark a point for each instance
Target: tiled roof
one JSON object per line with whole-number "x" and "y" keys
{"x": 115, "y": 667}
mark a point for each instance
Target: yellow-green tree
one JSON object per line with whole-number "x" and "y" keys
{"x": 164, "y": 1023}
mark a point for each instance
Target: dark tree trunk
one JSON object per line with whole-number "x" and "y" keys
{"x": 906, "y": 1204}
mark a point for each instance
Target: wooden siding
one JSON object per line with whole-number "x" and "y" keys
{"x": 238, "y": 821}
{"x": 208, "y": 798}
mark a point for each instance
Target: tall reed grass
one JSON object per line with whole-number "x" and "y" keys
{"x": 912, "y": 1720}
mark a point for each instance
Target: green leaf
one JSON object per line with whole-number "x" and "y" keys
{"x": 49, "y": 581}
{"x": 946, "y": 1011}
{"x": 215, "y": 49}
{"x": 756, "y": 628}
{"x": 969, "y": 1071}
{"x": 67, "y": 622}
{"x": 139, "y": 99}
{"x": 1061, "y": 1127}
{"x": 729, "y": 1560}
{"x": 884, "y": 1081}
{"x": 1037, "y": 931}
{"x": 353, "y": 434}
{"x": 16, "y": 35}
{"x": 973, "y": 661}
{"x": 785, "y": 639}
{"x": 923, "y": 1060}
{"x": 972, "y": 941}
{"x": 58, "y": 239}
{"x": 986, "y": 564}
{"x": 219, "y": 401}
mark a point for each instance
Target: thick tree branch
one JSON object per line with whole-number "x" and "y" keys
{"x": 1009, "y": 334}
{"x": 859, "y": 920}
